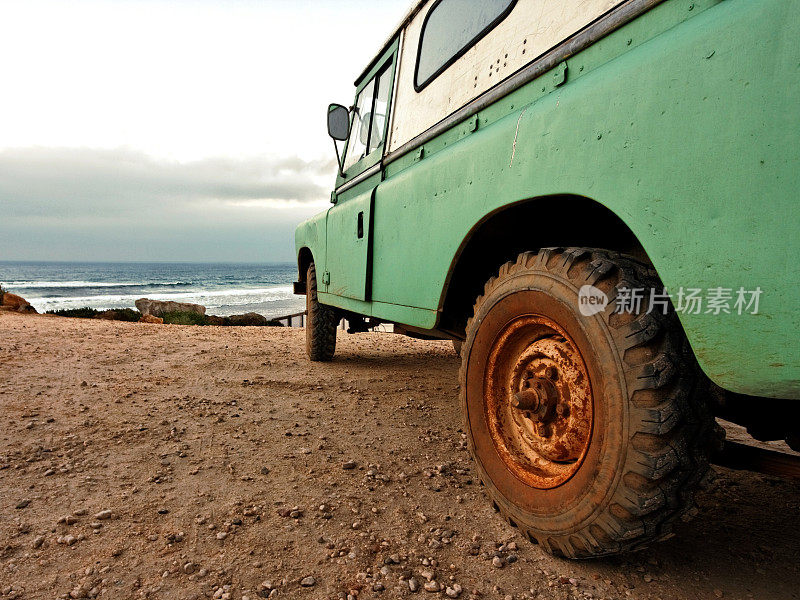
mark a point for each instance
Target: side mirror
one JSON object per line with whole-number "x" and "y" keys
{"x": 338, "y": 122}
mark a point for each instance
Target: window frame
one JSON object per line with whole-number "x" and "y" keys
{"x": 418, "y": 87}
{"x": 387, "y": 61}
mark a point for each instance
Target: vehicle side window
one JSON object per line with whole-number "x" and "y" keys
{"x": 450, "y": 29}
{"x": 359, "y": 128}
{"x": 369, "y": 118}
{"x": 381, "y": 109}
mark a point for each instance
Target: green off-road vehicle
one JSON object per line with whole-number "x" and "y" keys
{"x": 597, "y": 201}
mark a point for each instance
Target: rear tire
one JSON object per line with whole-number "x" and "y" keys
{"x": 320, "y": 324}
{"x": 589, "y": 432}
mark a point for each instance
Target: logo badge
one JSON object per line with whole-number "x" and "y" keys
{"x": 591, "y": 300}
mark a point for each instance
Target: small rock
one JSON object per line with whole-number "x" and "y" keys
{"x": 349, "y": 465}
{"x": 22, "y": 504}
{"x": 413, "y": 584}
{"x": 37, "y": 543}
{"x": 497, "y": 562}
{"x": 189, "y": 568}
{"x": 103, "y": 515}
{"x": 432, "y": 586}
{"x": 453, "y": 591}
{"x": 308, "y": 581}
{"x": 222, "y": 535}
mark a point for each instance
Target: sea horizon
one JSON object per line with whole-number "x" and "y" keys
{"x": 224, "y": 288}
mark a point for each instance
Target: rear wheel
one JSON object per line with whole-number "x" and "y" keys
{"x": 320, "y": 324}
{"x": 588, "y": 431}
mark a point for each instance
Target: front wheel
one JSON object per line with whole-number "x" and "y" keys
{"x": 585, "y": 425}
{"x": 321, "y": 322}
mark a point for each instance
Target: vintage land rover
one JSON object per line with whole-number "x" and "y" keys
{"x": 597, "y": 201}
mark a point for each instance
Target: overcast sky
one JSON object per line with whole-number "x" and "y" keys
{"x": 173, "y": 129}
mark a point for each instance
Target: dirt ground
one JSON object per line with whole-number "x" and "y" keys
{"x": 186, "y": 462}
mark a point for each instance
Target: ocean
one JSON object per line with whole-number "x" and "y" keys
{"x": 224, "y": 289}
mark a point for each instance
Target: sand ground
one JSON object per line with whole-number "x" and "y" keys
{"x": 186, "y": 462}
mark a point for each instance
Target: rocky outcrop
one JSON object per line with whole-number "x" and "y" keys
{"x": 248, "y": 319}
{"x": 16, "y": 303}
{"x": 251, "y": 319}
{"x": 158, "y": 308}
{"x": 215, "y": 320}
{"x": 151, "y": 319}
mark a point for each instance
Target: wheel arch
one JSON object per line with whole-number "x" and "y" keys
{"x": 304, "y": 259}
{"x": 527, "y": 225}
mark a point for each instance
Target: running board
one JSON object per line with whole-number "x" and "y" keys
{"x": 749, "y": 458}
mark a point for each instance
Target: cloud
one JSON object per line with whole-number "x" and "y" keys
{"x": 122, "y": 204}
{"x": 115, "y": 183}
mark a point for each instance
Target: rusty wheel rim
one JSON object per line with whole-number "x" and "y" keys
{"x": 538, "y": 401}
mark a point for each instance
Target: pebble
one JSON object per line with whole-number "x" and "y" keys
{"x": 189, "y": 568}
{"x": 308, "y": 581}
{"x": 69, "y": 520}
{"x": 69, "y": 540}
{"x": 349, "y": 465}
{"x": 453, "y": 591}
{"x": 22, "y": 504}
{"x": 413, "y": 584}
{"x": 497, "y": 562}
{"x": 222, "y": 535}
{"x": 103, "y": 515}
{"x": 38, "y": 541}
{"x": 432, "y": 586}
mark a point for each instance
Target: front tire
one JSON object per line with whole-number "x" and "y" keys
{"x": 587, "y": 431}
{"x": 321, "y": 322}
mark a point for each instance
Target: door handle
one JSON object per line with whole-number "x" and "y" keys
{"x": 360, "y": 226}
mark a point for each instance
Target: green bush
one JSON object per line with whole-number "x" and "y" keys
{"x": 181, "y": 317}
{"x": 121, "y": 314}
{"x": 78, "y": 313}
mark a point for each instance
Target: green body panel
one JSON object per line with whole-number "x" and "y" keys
{"x": 347, "y": 252}
{"x": 685, "y": 123}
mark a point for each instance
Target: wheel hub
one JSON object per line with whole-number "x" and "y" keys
{"x": 538, "y": 401}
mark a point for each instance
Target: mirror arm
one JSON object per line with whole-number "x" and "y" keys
{"x": 338, "y": 159}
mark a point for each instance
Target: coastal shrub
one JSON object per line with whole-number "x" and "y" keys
{"x": 126, "y": 314}
{"x": 181, "y": 317}
{"x": 2, "y": 293}
{"x": 120, "y": 314}
{"x": 78, "y": 313}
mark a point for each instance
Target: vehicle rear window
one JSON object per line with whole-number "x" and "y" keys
{"x": 450, "y": 29}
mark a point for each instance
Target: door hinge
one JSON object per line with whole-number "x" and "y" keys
{"x": 560, "y": 74}
{"x": 469, "y": 126}
{"x": 326, "y": 278}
